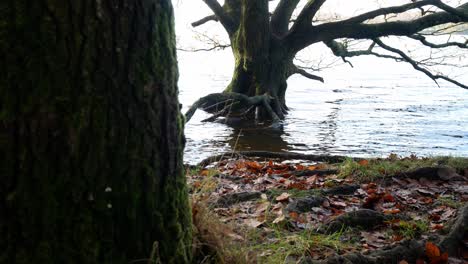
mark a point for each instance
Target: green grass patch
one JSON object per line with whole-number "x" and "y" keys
{"x": 378, "y": 168}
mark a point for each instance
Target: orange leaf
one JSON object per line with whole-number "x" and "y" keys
{"x": 300, "y": 167}
{"x": 312, "y": 168}
{"x": 363, "y": 162}
{"x": 432, "y": 251}
{"x": 442, "y": 259}
{"x": 204, "y": 173}
{"x": 294, "y": 216}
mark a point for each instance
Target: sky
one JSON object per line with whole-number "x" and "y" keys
{"x": 188, "y": 11}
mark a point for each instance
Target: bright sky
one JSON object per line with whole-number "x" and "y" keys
{"x": 188, "y": 11}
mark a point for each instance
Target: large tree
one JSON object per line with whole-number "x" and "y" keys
{"x": 91, "y": 136}
{"x": 265, "y": 43}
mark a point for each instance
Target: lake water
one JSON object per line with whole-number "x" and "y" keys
{"x": 374, "y": 109}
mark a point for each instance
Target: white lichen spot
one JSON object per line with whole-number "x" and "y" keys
{"x": 109, "y": 206}
{"x": 108, "y": 189}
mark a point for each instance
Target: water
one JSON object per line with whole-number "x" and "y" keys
{"x": 374, "y": 109}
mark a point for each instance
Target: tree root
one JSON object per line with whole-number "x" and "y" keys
{"x": 364, "y": 218}
{"x": 232, "y": 198}
{"x": 273, "y": 155}
{"x": 231, "y": 104}
{"x": 433, "y": 173}
{"x": 408, "y": 250}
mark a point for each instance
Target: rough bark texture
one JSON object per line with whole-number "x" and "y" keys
{"x": 90, "y": 133}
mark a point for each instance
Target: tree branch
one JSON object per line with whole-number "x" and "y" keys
{"x": 388, "y": 10}
{"x": 416, "y": 65}
{"x": 344, "y": 29}
{"x": 281, "y": 16}
{"x": 304, "y": 19}
{"x": 204, "y": 20}
{"x": 304, "y": 73}
{"x": 423, "y": 40}
{"x": 223, "y": 17}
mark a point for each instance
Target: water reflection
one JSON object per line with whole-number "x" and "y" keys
{"x": 328, "y": 128}
{"x": 258, "y": 139}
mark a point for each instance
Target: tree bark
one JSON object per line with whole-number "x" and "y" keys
{"x": 91, "y": 134}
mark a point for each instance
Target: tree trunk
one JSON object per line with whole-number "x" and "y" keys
{"x": 261, "y": 61}
{"x": 91, "y": 134}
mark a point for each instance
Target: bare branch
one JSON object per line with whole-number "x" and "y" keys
{"x": 345, "y": 29}
{"x": 304, "y": 19}
{"x": 204, "y": 20}
{"x": 388, "y": 10}
{"x": 304, "y": 73}
{"x": 281, "y": 16}
{"x": 416, "y": 65}
{"x": 451, "y": 10}
{"x": 223, "y": 17}
{"x": 423, "y": 40}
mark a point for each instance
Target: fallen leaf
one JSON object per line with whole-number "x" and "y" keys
{"x": 254, "y": 223}
{"x": 363, "y": 162}
{"x": 294, "y": 215}
{"x": 279, "y": 219}
{"x": 403, "y": 262}
{"x": 437, "y": 226}
{"x": 432, "y": 251}
{"x": 388, "y": 198}
{"x": 300, "y": 167}
{"x": 283, "y": 197}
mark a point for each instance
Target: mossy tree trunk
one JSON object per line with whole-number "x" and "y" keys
{"x": 91, "y": 135}
{"x": 265, "y": 43}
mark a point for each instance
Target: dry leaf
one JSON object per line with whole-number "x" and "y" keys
{"x": 363, "y": 162}
{"x": 432, "y": 251}
{"x": 284, "y": 197}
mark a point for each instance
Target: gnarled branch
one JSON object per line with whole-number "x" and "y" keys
{"x": 282, "y": 15}
{"x": 223, "y": 17}
{"x": 344, "y": 29}
{"x": 307, "y": 74}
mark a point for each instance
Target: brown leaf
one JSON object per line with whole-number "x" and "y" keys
{"x": 284, "y": 197}
{"x": 403, "y": 262}
{"x": 254, "y": 223}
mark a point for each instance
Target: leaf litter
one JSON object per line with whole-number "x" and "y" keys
{"x": 296, "y": 205}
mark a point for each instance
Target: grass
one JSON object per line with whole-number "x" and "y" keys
{"x": 284, "y": 245}
{"x": 449, "y": 201}
{"x": 377, "y": 168}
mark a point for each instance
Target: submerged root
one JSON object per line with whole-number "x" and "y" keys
{"x": 232, "y": 105}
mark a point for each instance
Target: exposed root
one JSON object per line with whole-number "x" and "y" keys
{"x": 232, "y": 198}
{"x": 409, "y": 250}
{"x": 232, "y": 105}
{"x": 363, "y": 218}
{"x": 433, "y": 173}
{"x": 272, "y": 155}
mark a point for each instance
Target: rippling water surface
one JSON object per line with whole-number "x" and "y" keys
{"x": 378, "y": 107}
